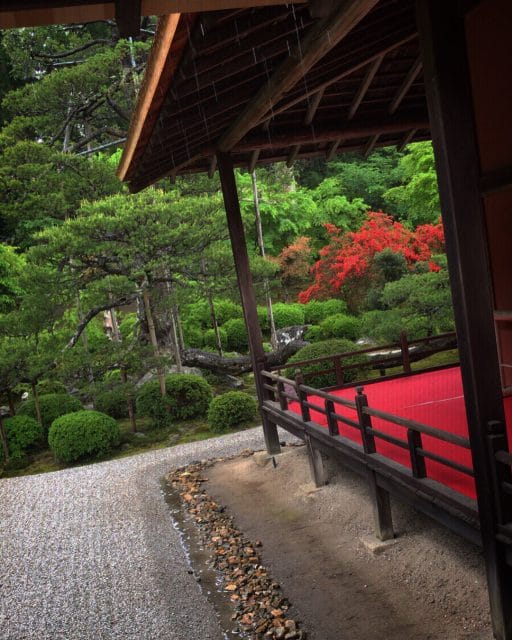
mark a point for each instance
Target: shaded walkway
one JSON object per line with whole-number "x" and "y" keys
{"x": 91, "y": 553}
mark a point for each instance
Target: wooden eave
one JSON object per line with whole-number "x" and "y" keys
{"x": 225, "y": 85}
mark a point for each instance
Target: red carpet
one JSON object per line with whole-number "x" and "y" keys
{"x": 435, "y": 399}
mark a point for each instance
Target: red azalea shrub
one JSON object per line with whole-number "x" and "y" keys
{"x": 345, "y": 264}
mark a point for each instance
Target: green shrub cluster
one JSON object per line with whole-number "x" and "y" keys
{"x": 340, "y": 326}
{"x": 52, "y": 406}
{"x": 113, "y": 403}
{"x": 193, "y": 335}
{"x": 328, "y": 348}
{"x": 263, "y": 318}
{"x": 317, "y": 310}
{"x": 288, "y": 315}
{"x": 236, "y": 335}
{"x": 23, "y": 432}
{"x": 210, "y": 340}
{"x": 231, "y": 409}
{"x": 44, "y": 387}
{"x": 82, "y": 434}
{"x": 186, "y": 396}
{"x": 314, "y": 333}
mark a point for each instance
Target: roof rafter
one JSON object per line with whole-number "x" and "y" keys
{"x": 320, "y": 39}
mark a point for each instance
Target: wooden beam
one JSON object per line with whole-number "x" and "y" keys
{"x": 15, "y": 14}
{"x": 294, "y": 152}
{"x": 254, "y": 160}
{"x": 213, "y": 167}
{"x": 313, "y": 106}
{"x": 406, "y": 85}
{"x": 406, "y": 140}
{"x": 370, "y": 145}
{"x": 320, "y": 39}
{"x": 245, "y": 285}
{"x": 331, "y": 152}
{"x": 284, "y": 138}
{"x": 127, "y": 16}
{"x": 447, "y": 81}
{"x": 365, "y": 85}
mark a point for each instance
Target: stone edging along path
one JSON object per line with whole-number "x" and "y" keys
{"x": 259, "y": 606}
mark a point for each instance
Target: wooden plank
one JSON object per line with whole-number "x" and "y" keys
{"x": 245, "y": 285}
{"x": 127, "y": 16}
{"x": 333, "y": 147}
{"x": 313, "y": 106}
{"x": 294, "y": 152}
{"x": 447, "y": 81}
{"x": 254, "y": 159}
{"x": 496, "y": 181}
{"x": 370, "y": 145}
{"x": 365, "y": 85}
{"x": 406, "y": 139}
{"x": 320, "y": 39}
{"x": 213, "y": 167}
{"x": 30, "y": 14}
{"x": 406, "y": 85}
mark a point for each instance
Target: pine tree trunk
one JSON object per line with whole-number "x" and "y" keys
{"x": 177, "y": 321}
{"x": 261, "y": 245}
{"x": 153, "y": 339}
{"x": 36, "y": 403}
{"x": 213, "y": 315}
{"x": 176, "y": 345}
{"x": 129, "y": 401}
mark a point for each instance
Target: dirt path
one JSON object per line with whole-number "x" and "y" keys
{"x": 428, "y": 585}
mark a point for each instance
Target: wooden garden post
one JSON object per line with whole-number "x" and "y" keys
{"x": 245, "y": 285}
{"x": 444, "y": 52}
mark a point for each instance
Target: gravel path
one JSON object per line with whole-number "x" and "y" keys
{"x": 91, "y": 553}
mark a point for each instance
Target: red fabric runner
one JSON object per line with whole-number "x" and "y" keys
{"x": 435, "y": 399}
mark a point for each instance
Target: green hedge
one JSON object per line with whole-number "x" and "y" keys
{"x": 210, "y": 340}
{"x": 193, "y": 335}
{"x": 236, "y": 335}
{"x": 288, "y": 315}
{"x": 186, "y": 396}
{"x": 313, "y": 333}
{"x": 52, "y": 406}
{"x": 23, "y": 432}
{"x": 44, "y": 387}
{"x": 317, "y": 310}
{"x": 340, "y": 326}
{"x": 328, "y": 348}
{"x": 231, "y": 409}
{"x": 82, "y": 434}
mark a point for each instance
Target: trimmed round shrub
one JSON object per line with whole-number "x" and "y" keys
{"x": 263, "y": 319}
{"x": 50, "y": 386}
{"x": 328, "y": 348}
{"x": 113, "y": 403}
{"x": 317, "y": 310}
{"x": 231, "y": 409}
{"x": 82, "y": 434}
{"x": 236, "y": 335}
{"x": 340, "y": 326}
{"x": 188, "y": 396}
{"x": 313, "y": 333}
{"x": 226, "y": 310}
{"x": 210, "y": 340}
{"x": 23, "y": 432}
{"x": 52, "y": 406}
{"x": 193, "y": 336}
{"x": 288, "y": 315}
{"x": 149, "y": 402}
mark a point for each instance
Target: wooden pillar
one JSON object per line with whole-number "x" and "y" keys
{"x": 244, "y": 277}
{"x": 443, "y": 46}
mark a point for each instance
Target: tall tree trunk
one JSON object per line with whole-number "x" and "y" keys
{"x": 3, "y": 439}
{"x": 261, "y": 245}
{"x": 117, "y": 337}
{"x": 37, "y": 404}
{"x": 153, "y": 339}
{"x": 10, "y": 400}
{"x": 85, "y": 342}
{"x": 213, "y": 315}
{"x": 174, "y": 334}
{"x": 177, "y": 322}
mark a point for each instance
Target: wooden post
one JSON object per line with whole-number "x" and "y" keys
{"x": 283, "y": 401}
{"x": 418, "y": 466}
{"x": 302, "y": 396}
{"x": 316, "y": 463}
{"x": 338, "y": 369}
{"x": 245, "y": 285}
{"x": 381, "y": 502}
{"x": 332, "y": 423}
{"x": 404, "y": 347}
{"x": 443, "y": 46}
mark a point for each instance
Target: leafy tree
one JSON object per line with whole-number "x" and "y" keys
{"x": 416, "y": 199}
{"x": 295, "y": 262}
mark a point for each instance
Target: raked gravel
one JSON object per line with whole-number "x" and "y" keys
{"x": 91, "y": 553}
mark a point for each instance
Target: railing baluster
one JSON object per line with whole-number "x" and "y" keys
{"x": 340, "y": 375}
{"x": 283, "y": 401}
{"x": 332, "y": 423}
{"x": 365, "y": 421}
{"x": 404, "y": 347}
{"x": 302, "y": 395}
{"x": 418, "y": 465}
